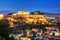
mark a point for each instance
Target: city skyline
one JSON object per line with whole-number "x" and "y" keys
{"x": 48, "y": 6}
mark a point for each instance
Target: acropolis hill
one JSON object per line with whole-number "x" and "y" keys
{"x": 23, "y": 16}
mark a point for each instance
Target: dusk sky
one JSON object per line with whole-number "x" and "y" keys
{"x": 48, "y": 6}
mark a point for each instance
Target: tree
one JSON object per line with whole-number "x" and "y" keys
{"x": 4, "y": 29}
{"x": 58, "y": 24}
{"x": 37, "y": 13}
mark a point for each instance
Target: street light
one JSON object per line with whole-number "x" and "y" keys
{"x": 40, "y": 19}
{"x": 1, "y": 16}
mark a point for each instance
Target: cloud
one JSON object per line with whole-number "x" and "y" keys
{"x": 58, "y": 10}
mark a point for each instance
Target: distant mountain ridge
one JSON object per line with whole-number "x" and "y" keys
{"x": 51, "y": 13}
{"x": 6, "y": 12}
